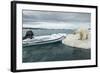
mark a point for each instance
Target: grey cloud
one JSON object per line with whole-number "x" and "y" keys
{"x": 48, "y": 16}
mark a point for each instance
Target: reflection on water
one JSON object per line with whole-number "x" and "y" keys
{"x": 54, "y": 52}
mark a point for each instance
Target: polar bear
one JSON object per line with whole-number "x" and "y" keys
{"x": 83, "y": 33}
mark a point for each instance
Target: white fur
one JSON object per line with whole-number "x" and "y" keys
{"x": 84, "y": 32}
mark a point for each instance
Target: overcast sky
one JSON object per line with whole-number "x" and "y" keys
{"x": 42, "y": 19}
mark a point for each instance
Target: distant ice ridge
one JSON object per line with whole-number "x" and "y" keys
{"x": 55, "y": 25}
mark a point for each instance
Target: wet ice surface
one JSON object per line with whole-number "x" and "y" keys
{"x": 53, "y": 52}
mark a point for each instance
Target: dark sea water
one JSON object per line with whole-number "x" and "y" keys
{"x": 53, "y": 51}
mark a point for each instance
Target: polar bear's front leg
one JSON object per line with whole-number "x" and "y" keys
{"x": 81, "y": 36}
